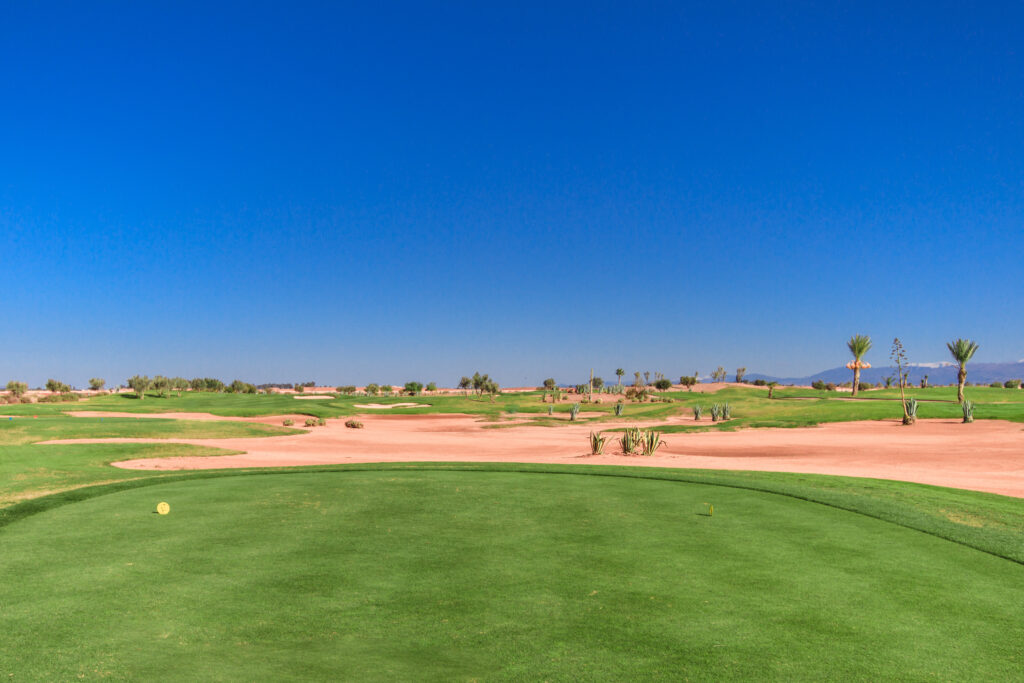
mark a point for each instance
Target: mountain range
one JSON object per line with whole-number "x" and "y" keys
{"x": 938, "y": 373}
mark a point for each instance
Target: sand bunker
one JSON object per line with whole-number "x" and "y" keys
{"x": 386, "y": 406}
{"x": 984, "y": 456}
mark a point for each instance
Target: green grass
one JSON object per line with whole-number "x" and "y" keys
{"x": 499, "y": 572}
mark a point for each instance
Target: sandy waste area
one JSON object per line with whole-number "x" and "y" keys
{"x": 985, "y": 456}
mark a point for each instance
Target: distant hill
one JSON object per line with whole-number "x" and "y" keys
{"x": 984, "y": 373}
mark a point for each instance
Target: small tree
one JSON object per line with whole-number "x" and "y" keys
{"x": 662, "y": 384}
{"x": 413, "y": 388}
{"x": 740, "y": 372}
{"x": 180, "y": 384}
{"x": 619, "y": 372}
{"x": 161, "y": 385}
{"x": 139, "y": 384}
{"x": 688, "y": 381}
{"x": 598, "y": 384}
{"x": 465, "y": 383}
{"x": 550, "y": 384}
{"x": 197, "y": 384}
{"x": 771, "y": 389}
{"x": 17, "y": 389}
{"x": 432, "y": 386}
{"x": 96, "y": 383}
{"x": 718, "y": 375}
{"x": 371, "y": 389}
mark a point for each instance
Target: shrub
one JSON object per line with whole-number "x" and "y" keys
{"x": 321, "y": 422}
{"x": 57, "y": 387}
{"x": 1012, "y": 384}
{"x": 619, "y": 407}
{"x": 66, "y": 397}
{"x": 830, "y": 386}
{"x": 348, "y": 390}
{"x": 597, "y": 441}
{"x": 697, "y": 411}
{"x": 550, "y": 384}
{"x": 688, "y": 381}
{"x": 968, "y": 408}
{"x": 759, "y": 382}
{"x": 996, "y": 385}
{"x": 726, "y": 411}
{"x": 574, "y": 411}
{"x": 818, "y": 384}
{"x": 353, "y": 424}
{"x": 372, "y": 389}
{"x": 17, "y": 389}
{"x": 311, "y": 422}
{"x": 413, "y": 388}
{"x": 432, "y": 386}
{"x": 863, "y": 386}
{"x": 96, "y": 383}
{"x": 716, "y": 412}
{"x": 288, "y": 423}
{"x": 662, "y": 384}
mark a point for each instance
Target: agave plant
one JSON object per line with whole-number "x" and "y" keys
{"x": 911, "y": 416}
{"x": 697, "y": 411}
{"x": 726, "y": 411}
{"x": 597, "y": 441}
{"x": 574, "y": 411}
{"x": 716, "y": 411}
{"x": 650, "y": 442}
{"x": 619, "y": 408}
{"x": 630, "y": 440}
{"x": 968, "y": 407}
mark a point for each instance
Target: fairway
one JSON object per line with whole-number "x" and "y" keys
{"x": 492, "y": 575}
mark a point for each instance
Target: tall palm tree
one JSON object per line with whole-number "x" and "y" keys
{"x": 859, "y": 344}
{"x": 619, "y": 372}
{"x": 962, "y": 351}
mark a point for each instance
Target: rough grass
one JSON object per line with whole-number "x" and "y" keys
{"x": 495, "y": 572}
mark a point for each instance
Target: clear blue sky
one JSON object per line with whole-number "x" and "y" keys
{"x": 386, "y": 192}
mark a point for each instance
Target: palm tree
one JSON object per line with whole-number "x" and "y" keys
{"x": 859, "y": 344}
{"x": 619, "y": 372}
{"x": 962, "y": 351}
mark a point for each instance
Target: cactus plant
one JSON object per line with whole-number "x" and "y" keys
{"x": 597, "y": 441}
{"x": 574, "y": 411}
{"x": 698, "y": 410}
{"x": 630, "y": 440}
{"x": 968, "y": 407}
{"x": 618, "y": 408}
{"x": 716, "y": 411}
{"x": 726, "y": 411}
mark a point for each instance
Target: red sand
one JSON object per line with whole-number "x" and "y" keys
{"x": 985, "y": 456}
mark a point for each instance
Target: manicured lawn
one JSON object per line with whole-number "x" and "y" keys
{"x": 412, "y": 573}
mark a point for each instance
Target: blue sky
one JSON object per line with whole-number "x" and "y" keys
{"x": 386, "y": 192}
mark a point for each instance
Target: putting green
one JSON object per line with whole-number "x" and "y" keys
{"x": 492, "y": 575}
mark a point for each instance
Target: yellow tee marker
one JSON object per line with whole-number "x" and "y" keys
{"x": 163, "y": 508}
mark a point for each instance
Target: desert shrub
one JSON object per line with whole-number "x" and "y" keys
{"x": 96, "y": 383}
{"x": 698, "y": 410}
{"x": 310, "y": 422}
{"x": 413, "y": 388}
{"x": 372, "y": 389}
{"x": 726, "y": 411}
{"x": 353, "y": 424}
{"x": 650, "y": 442}
{"x": 348, "y": 390}
{"x": 996, "y": 385}
{"x": 688, "y": 381}
{"x": 574, "y": 411}
{"x": 57, "y": 387}
{"x": 716, "y": 412}
{"x": 288, "y": 423}
{"x": 759, "y": 382}
{"x": 59, "y": 398}
{"x": 17, "y": 389}
{"x": 582, "y": 388}
{"x": 662, "y": 384}
{"x": 829, "y": 386}
{"x": 818, "y": 384}
{"x": 863, "y": 386}
{"x": 432, "y": 386}
{"x": 321, "y": 422}
{"x": 299, "y": 388}
{"x": 597, "y": 441}
{"x": 1012, "y": 384}
{"x": 968, "y": 408}
{"x": 550, "y": 383}
{"x": 619, "y": 407}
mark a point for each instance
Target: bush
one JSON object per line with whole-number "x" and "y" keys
{"x": 830, "y": 386}
{"x": 863, "y": 386}
{"x": 413, "y": 388}
{"x": 996, "y": 385}
{"x": 818, "y": 384}
{"x": 372, "y": 389}
{"x": 662, "y": 384}
{"x": 321, "y": 422}
{"x": 688, "y": 381}
{"x": 311, "y": 422}
{"x": 760, "y": 382}
{"x": 1012, "y": 384}
{"x": 288, "y": 423}
{"x": 59, "y": 398}
{"x": 550, "y": 383}
{"x": 57, "y": 387}
{"x": 348, "y": 390}
{"x": 17, "y": 389}
{"x": 353, "y": 424}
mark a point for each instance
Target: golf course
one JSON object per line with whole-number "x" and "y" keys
{"x": 549, "y": 568}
